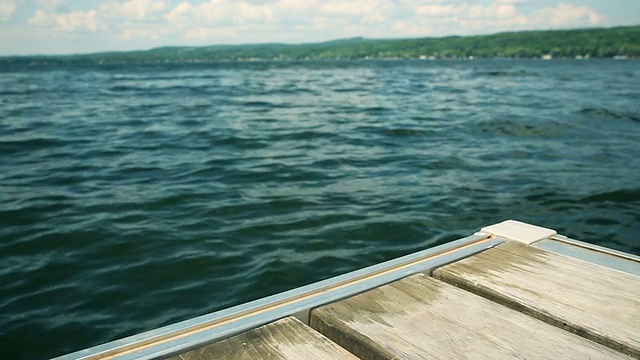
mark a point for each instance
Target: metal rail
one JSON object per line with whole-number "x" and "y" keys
{"x": 610, "y": 258}
{"x": 186, "y": 335}
{"x": 597, "y": 248}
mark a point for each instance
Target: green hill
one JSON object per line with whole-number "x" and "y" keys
{"x": 593, "y": 42}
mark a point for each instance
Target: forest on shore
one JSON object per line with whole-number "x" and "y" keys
{"x": 618, "y": 42}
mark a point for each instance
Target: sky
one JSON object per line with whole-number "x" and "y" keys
{"x": 30, "y": 27}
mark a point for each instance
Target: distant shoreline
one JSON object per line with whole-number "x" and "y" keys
{"x": 45, "y": 60}
{"x": 609, "y": 43}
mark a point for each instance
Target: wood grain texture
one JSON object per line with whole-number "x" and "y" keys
{"x": 419, "y": 317}
{"x": 593, "y": 301}
{"x": 287, "y": 338}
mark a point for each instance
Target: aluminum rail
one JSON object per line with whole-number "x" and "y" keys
{"x": 596, "y": 248}
{"x": 189, "y": 334}
{"x": 610, "y": 258}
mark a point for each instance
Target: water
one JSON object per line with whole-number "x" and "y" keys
{"x": 136, "y": 195}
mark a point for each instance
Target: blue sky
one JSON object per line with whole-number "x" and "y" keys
{"x": 81, "y": 26}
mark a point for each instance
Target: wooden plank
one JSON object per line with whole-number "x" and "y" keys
{"x": 419, "y": 317}
{"x": 594, "y": 301}
{"x": 287, "y": 338}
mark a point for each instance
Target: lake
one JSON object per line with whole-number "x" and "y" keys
{"x": 133, "y": 196}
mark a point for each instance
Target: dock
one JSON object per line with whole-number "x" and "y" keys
{"x": 510, "y": 291}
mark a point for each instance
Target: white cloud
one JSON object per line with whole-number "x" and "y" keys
{"x": 564, "y": 15}
{"x": 51, "y": 5}
{"x": 359, "y": 11}
{"x": 120, "y": 19}
{"x": 142, "y": 33}
{"x": 228, "y": 19}
{"x": 250, "y": 21}
{"x": 437, "y": 10}
{"x": 410, "y": 29}
{"x": 501, "y": 15}
{"x": 181, "y": 14}
{"x": 463, "y": 11}
{"x": 139, "y": 10}
{"x": 7, "y": 8}
{"x": 209, "y": 33}
{"x": 216, "y": 13}
{"x": 354, "y": 7}
{"x": 72, "y": 21}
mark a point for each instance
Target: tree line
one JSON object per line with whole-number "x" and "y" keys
{"x": 593, "y": 42}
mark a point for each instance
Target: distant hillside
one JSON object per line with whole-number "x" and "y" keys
{"x": 600, "y": 43}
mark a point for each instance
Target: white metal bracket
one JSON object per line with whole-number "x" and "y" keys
{"x": 519, "y": 231}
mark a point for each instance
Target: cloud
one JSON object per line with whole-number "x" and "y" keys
{"x": 336, "y": 18}
{"x": 208, "y": 33}
{"x": 51, "y": 5}
{"x": 216, "y": 13}
{"x": 564, "y": 15}
{"x": 7, "y": 8}
{"x": 354, "y": 7}
{"x": 359, "y": 11}
{"x": 466, "y": 11}
{"x": 502, "y": 15}
{"x": 137, "y": 33}
{"x": 236, "y": 21}
{"x": 69, "y": 22}
{"x": 139, "y": 10}
{"x": 436, "y": 10}
{"x": 126, "y": 20}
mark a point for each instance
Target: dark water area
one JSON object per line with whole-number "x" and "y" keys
{"x": 136, "y": 195}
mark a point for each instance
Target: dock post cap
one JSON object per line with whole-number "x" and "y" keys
{"x": 519, "y": 231}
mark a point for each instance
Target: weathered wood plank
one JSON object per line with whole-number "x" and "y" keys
{"x": 593, "y": 301}
{"x": 287, "y": 338}
{"x": 419, "y": 317}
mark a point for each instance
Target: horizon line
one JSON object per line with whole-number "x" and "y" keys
{"x": 312, "y": 43}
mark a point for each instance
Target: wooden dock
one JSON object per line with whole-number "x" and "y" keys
{"x": 514, "y": 291}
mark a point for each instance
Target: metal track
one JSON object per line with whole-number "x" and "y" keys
{"x": 183, "y": 336}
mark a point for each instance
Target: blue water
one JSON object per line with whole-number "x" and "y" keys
{"x": 136, "y": 195}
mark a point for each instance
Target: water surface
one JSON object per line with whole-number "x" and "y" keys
{"x": 136, "y": 195}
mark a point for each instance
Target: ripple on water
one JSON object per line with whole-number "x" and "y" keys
{"x": 133, "y": 196}
{"x": 506, "y": 73}
{"x": 621, "y": 196}
{"x": 604, "y": 113}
